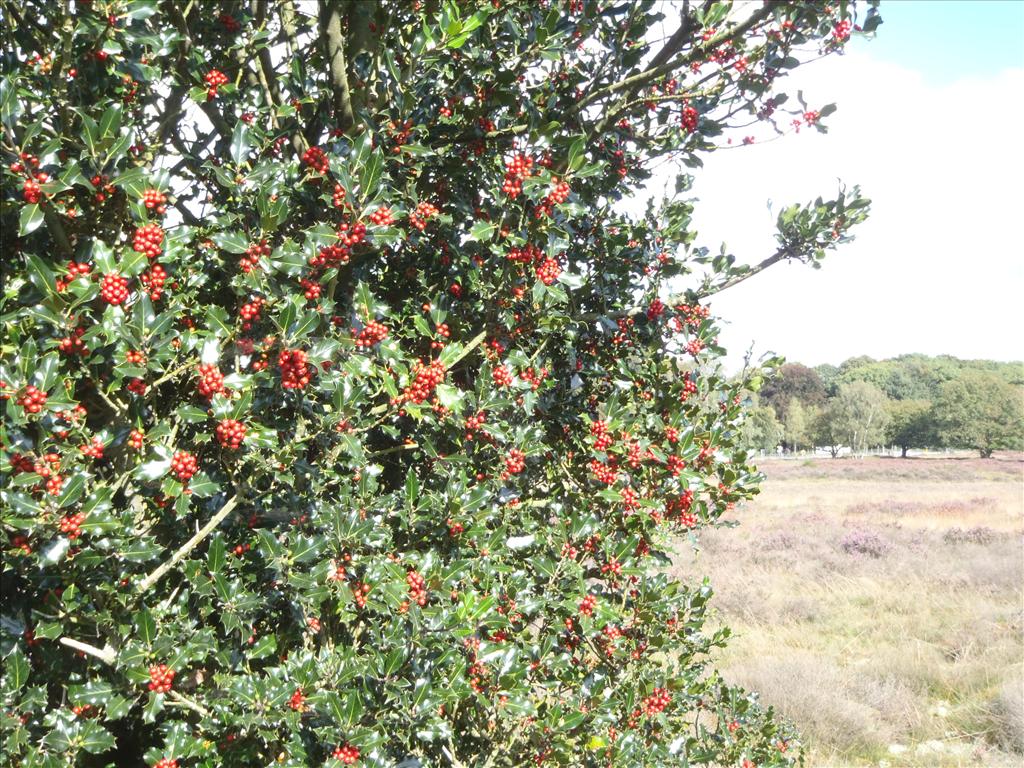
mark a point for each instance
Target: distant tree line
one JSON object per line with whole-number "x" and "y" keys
{"x": 911, "y": 401}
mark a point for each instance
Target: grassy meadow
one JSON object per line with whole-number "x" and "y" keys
{"x": 877, "y": 603}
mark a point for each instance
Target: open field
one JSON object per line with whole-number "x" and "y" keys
{"x": 878, "y": 604}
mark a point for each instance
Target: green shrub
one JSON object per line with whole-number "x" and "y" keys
{"x": 346, "y": 416}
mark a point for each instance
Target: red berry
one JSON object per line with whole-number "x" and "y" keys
{"x": 316, "y": 159}
{"x": 160, "y": 678}
{"x": 230, "y": 433}
{"x": 211, "y": 381}
{"x": 114, "y": 288}
{"x": 32, "y": 399}
{"x": 148, "y": 239}
{"x": 184, "y": 465}
{"x": 346, "y": 753}
{"x": 295, "y": 372}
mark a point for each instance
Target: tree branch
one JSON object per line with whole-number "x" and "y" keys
{"x": 678, "y": 40}
{"x": 334, "y": 51}
{"x": 106, "y": 654}
{"x": 360, "y": 16}
{"x": 188, "y": 546}
{"x": 779, "y": 255}
{"x": 635, "y": 82}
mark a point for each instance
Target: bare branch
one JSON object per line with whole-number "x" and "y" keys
{"x": 188, "y": 546}
{"x": 106, "y": 654}
{"x": 678, "y": 41}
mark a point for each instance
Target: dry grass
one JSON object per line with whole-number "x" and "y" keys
{"x": 878, "y": 604}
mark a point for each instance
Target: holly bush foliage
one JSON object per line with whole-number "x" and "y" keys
{"x": 350, "y": 418}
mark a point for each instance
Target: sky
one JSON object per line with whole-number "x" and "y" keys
{"x": 930, "y": 123}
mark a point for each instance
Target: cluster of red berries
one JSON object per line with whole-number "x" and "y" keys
{"x": 515, "y": 463}
{"x": 316, "y": 159}
{"x": 517, "y": 168}
{"x": 657, "y": 701}
{"x": 372, "y": 333}
{"x": 214, "y": 79}
{"x": 135, "y": 357}
{"x": 250, "y": 312}
{"x": 340, "y": 252}
{"x": 297, "y": 701}
{"x": 26, "y": 160}
{"x": 417, "y": 588}
{"x": 656, "y": 309}
{"x": 54, "y": 484}
{"x": 251, "y": 259}
{"x": 166, "y": 762}
{"x": 73, "y": 344}
{"x": 230, "y": 433}
{"x": 93, "y": 449}
{"x": 689, "y": 118}
{"x": 605, "y": 473}
{"x": 211, "y": 380}
{"x": 32, "y": 399}
{"x": 148, "y": 239}
{"x": 426, "y": 377}
{"x": 680, "y": 508}
{"x": 587, "y": 605}
{"x": 534, "y": 377}
{"x": 295, "y": 372}
{"x": 346, "y": 753}
{"x": 137, "y": 387}
{"x": 502, "y": 376}
{"x": 229, "y": 22}
{"x": 548, "y": 271}
{"x": 71, "y": 525}
{"x": 31, "y": 191}
{"x": 155, "y": 200}
{"x": 359, "y": 593}
{"x": 675, "y": 465}
{"x": 160, "y": 678}
{"x": 602, "y": 438}
{"x": 613, "y": 566}
{"x": 556, "y": 196}
{"x": 184, "y": 465}
{"x": 338, "y": 196}
{"x": 694, "y": 347}
{"x": 102, "y": 183}
{"x": 419, "y": 218}
{"x": 689, "y": 388}
{"x": 841, "y": 31}
{"x": 382, "y": 216}
{"x": 473, "y": 423}
{"x": 136, "y": 438}
{"x": 114, "y": 288}
{"x": 311, "y": 289}
{"x": 74, "y": 270}
{"x": 526, "y": 254}
{"x": 444, "y": 332}
{"x": 692, "y": 314}
{"x": 153, "y": 280}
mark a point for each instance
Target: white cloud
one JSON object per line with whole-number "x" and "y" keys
{"x": 938, "y": 267}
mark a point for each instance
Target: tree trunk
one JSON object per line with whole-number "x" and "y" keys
{"x": 904, "y": 452}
